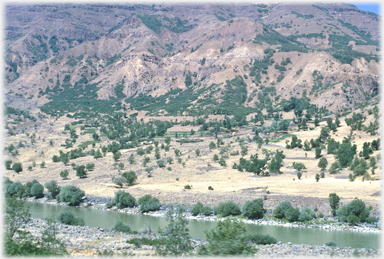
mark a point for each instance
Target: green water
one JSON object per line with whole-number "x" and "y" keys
{"x": 107, "y": 219}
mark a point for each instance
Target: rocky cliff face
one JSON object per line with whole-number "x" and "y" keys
{"x": 330, "y": 51}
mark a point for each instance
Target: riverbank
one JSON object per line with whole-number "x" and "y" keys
{"x": 328, "y": 223}
{"x": 86, "y": 241}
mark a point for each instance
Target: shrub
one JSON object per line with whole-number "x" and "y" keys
{"x": 119, "y": 181}
{"x": 228, "y": 237}
{"x": 356, "y": 208}
{"x": 160, "y": 163}
{"x": 68, "y": 218}
{"x": 130, "y": 177}
{"x": 80, "y": 171}
{"x": 17, "y": 167}
{"x": 353, "y": 219}
{"x": 123, "y": 200}
{"x": 37, "y": 190}
{"x": 148, "y": 203}
{"x": 261, "y": 239}
{"x": 53, "y": 188}
{"x": 330, "y": 243}
{"x": 71, "y": 194}
{"x": 8, "y": 164}
{"x": 281, "y": 209}
{"x": 253, "y": 209}
{"x": 334, "y": 200}
{"x": 306, "y": 214}
{"x": 188, "y": 187}
{"x": 371, "y": 220}
{"x": 64, "y": 174}
{"x": 210, "y": 188}
{"x": 206, "y": 210}
{"x": 197, "y": 208}
{"x": 299, "y": 174}
{"x": 122, "y": 227}
{"x": 292, "y": 214}
{"x": 109, "y": 204}
{"x": 227, "y": 208}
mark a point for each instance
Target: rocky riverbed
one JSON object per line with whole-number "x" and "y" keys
{"x": 86, "y": 241}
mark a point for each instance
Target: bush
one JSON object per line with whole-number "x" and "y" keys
{"x": 206, "y": 210}
{"x": 356, "y": 208}
{"x": 334, "y": 200}
{"x": 353, "y": 220}
{"x": 253, "y": 209}
{"x": 64, "y": 174}
{"x": 53, "y": 188}
{"x": 228, "y": 237}
{"x": 330, "y": 243}
{"x": 261, "y": 239}
{"x": 68, "y": 218}
{"x": 122, "y": 227}
{"x": 371, "y": 220}
{"x": 197, "y": 208}
{"x": 188, "y": 187}
{"x": 123, "y": 200}
{"x": 306, "y": 214}
{"x": 37, "y": 190}
{"x": 130, "y": 176}
{"x": 17, "y": 167}
{"x": 71, "y": 194}
{"x": 210, "y": 188}
{"x": 292, "y": 214}
{"x": 227, "y": 208}
{"x": 281, "y": 209}
{"x": 119, "y": 181}
{"x": 148, "y": 203}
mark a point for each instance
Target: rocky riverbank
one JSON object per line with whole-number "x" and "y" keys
{"x": 329, "y": 223}
{"x": 87, "y": 241}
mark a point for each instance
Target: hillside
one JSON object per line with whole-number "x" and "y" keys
{"x": 126, "y": 53}
{"x": 208, "y": 95}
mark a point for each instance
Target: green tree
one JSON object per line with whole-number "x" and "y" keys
{"x": 64, "y": 174}
{"x": 197, "y": 152}
{"x": 131, "y": 159}
{"x": 117, "y": 156}
{"x": 188, "y": 81}
{"x": 17, "y": 215}
{"x": 71, "y": 194}
{"x": 299, "y": 174}
{"x": 253, "y": 209}
{"x": 227, "y": 238}
{"x": 90, "y": 166}
{"x": 8, "y": 164}
{"x": 52, "y": 188}
{"x": 280, "y": 210}
{"x": 212, "y": 145}
{"x": 148, "y": 203}
{"x": 119, "y": 181}
{"x": 177, "y": 152}
{"x": 215, "y": 157}
{"x": 42, "y": 164}
{"x": 317, "y": 177}
{"x": 167, "y": 140}
{"x": 80, "y": 171}
{"x": 299, "y": 166}
{"x": 323, "y": 163}
{"x": 318, "y": 152}
{"x": 334, "y": 200}
{"x": 130, "y": 176}
{"x": 17, "y": 167}
{"x": 123, "y": 199}
{"x": 177, "y": 235}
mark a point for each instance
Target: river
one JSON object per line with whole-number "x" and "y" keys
{"x": 295, "y": 235}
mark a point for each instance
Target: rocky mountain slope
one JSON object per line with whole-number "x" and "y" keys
{"x": 182, "y": 59}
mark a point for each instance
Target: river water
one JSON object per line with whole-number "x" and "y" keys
{"x": 295, "y": 235}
